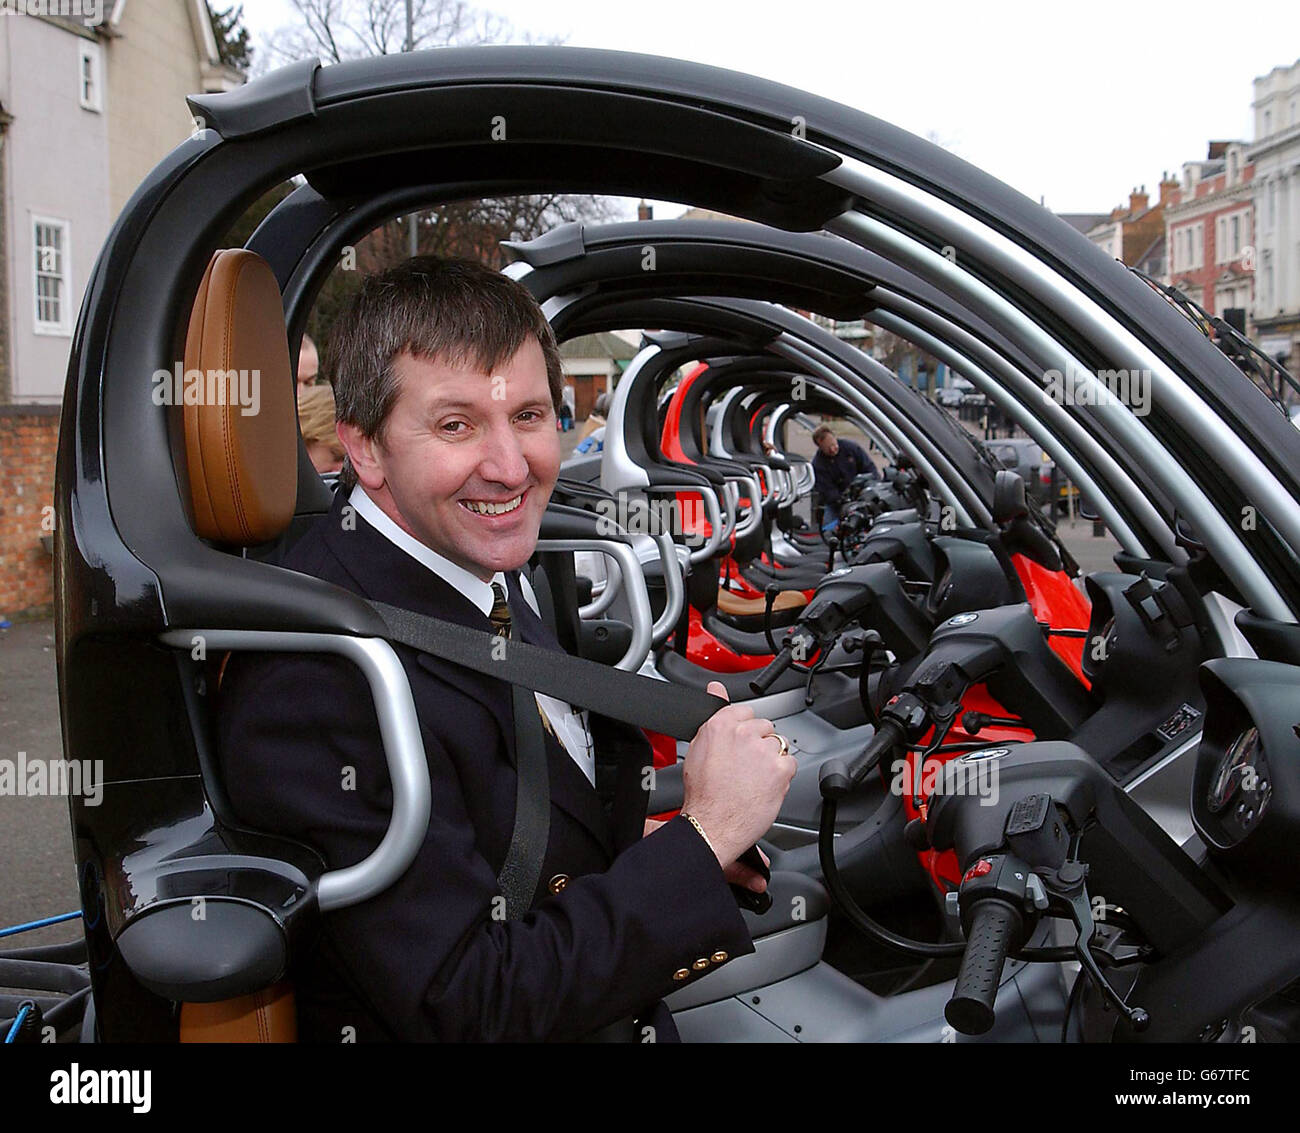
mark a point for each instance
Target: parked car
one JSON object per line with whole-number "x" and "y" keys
{"x": 1025, "y": 456}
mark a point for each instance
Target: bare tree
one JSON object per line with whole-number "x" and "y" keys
{"x": 336, "y": 30}
{"x": 339, "y": 30}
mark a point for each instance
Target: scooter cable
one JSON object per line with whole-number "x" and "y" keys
{"x": 855, "y": 913}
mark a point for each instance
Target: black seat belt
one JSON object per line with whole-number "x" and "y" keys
{"x": 522, "y": 868}
{"x": 642, "y": 701}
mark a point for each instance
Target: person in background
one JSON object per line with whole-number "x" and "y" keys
{"x": 567, "y": 407}
{"x": 834, "y": 467}
{"x": 308, "y": 363}
{"x": 592, "y": 443}
{"x": 316, "y": 421}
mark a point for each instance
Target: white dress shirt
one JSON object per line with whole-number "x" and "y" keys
{"x": 570, "y": 726}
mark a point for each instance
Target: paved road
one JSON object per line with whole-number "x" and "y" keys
{"x": 37, "y": 872}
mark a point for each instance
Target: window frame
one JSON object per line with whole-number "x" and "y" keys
{"x": 90, "y": 53}
{"x": 63, "y": 327}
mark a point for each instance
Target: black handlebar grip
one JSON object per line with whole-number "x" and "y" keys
{"x": 840, "y": 776}
{"x": 778, "y": 665}
{"x": 888, "y": 735}
{"x": 993, "y": 925}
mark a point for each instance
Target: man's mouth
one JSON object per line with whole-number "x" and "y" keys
{"x": 489, "y": 507}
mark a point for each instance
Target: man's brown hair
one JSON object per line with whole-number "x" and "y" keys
{"x": 821, "y": 431}
{"x": 454, "y": 311}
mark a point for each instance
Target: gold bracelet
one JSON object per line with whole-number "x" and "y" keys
{"x": 700, "y": 830}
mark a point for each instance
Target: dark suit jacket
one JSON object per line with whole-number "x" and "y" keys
{"x": 617, "y": 916}
{"x": 832, "y": 474}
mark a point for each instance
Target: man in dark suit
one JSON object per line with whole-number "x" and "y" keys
{"x": 447, "y": 383}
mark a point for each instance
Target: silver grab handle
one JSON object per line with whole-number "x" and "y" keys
{"x": 399, "y": 732}
{"x": 674, "y": 585}
{"x": 604, "y": 596}
{"x": 713, "y": 513}
{"x": 731, "y": 499}
{"x": 633, "y": 585}
{"x": 787, "y": 487}
{"x": 755, "y": 516}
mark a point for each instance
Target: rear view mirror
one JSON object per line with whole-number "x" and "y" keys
{"x": 1185, "y": 537}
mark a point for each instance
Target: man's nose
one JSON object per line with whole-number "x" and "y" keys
{"x": 503, "y": 459}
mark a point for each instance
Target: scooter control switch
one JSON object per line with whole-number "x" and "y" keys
{"x": 1035, "y": 832}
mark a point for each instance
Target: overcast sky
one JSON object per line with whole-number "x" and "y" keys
{"x": 1075, "y": 103}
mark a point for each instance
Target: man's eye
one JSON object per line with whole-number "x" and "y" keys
{"x": 453, "y": 427}
{"x": 529, "y": 415}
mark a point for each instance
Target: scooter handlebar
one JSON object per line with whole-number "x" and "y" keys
{"x": 994, "y": 924}
{"x": 838, "y": 776}
{"x": 778, "y": 665}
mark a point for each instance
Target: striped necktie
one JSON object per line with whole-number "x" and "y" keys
{"x": 499, "y": 616}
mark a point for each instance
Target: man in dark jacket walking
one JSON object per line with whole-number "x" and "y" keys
{"x": 836, "y": 464}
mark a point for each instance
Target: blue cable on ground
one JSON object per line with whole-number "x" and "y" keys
{"x": 15, "y": 929}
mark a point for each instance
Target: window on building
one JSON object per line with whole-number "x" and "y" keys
{"x": 1268, "y": 122}
{"x": 50, "y": 275}
{"x": 90, "y": 89}
{"x": 1198, "y": 245}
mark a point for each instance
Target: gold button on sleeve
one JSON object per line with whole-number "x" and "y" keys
{"x": 681, "y": 973}
{"x": 719, "y": 957}
{"x": 701, "y": 964}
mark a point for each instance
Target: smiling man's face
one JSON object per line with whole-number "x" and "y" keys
{"x": 468, "y": 460}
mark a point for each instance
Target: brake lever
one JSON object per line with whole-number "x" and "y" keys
{"x": 1066, "y": 884}
{"x": 770, "y": 593}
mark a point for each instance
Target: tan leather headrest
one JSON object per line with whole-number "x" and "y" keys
{"x": 241, "y": 431}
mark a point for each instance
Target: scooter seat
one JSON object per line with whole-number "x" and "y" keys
{"x": 735, "y": 606}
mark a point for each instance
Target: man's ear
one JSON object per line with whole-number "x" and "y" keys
{"x": 364, "y": 453}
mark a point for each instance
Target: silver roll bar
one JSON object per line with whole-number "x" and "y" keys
{"x": 399, "y": 732}
{"x": 1142, "y": 446}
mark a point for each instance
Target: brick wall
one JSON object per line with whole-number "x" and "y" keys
{"x": 29, "y": 436}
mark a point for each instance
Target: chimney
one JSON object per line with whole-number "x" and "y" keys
{"x": 1168, "y": 187}
{"x": 1138, "y": 201}
{"x": 645, "y": 211}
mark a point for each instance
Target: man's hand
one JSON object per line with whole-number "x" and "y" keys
{"x": 738, "y": 873}
{"x": 735, "y": 779}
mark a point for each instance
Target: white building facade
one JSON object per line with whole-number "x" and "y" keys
{"x": 1276, "y": 155}
{"x": 86, "y": 110}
